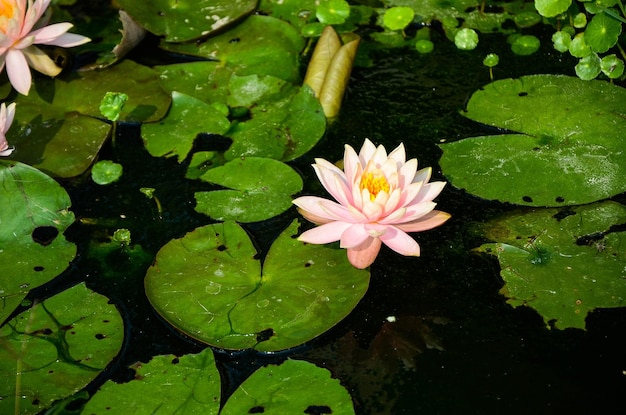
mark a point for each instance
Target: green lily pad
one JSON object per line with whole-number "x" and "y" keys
{"x": 602, "y": 32}
{"x": 211, "y": 285}
{"x": 257, "y": 189}
{"x": 331, "y": 12}
{"x": 294, "y": 387}
{"x": 283, "y": 129}
{"x": 174, "y": 135}
{"x": 186, "y": 20}
{"x": 56, "y": 348}
{"x": 188, "y": 384}
{"x": 551, "y": 8}
{"x": 204, "y": 80}
{"x": 34, "y": 214}
{"x": 106, "y": 172}
{"x": 260, "y": 45}
{"x": 562, "y": 263}
{"x": 567, "y": 149}
{"x": 56, "y": 127}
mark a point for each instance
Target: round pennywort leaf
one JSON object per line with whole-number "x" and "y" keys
{"x": 602, "y": 32}
{"x": 106, "y": 172}
{"x": 612, "y": 66}
{"x": 551, "y": 8}
{"x": 561, "y": 41}
{"x": 525, "y": 45}
{"x": 466, "y": 39}
{"x": 397, "y": 18}
{"x": 588, "y": 67}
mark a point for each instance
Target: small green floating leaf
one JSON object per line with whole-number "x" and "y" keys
{"x": 188, "y": 384}
{"x": 33, "y": 217}
{"x": 293, "y": 387}
{"x": 562, "y": 263}
{"x": 424, "y": 46}
{"x": 491, "y": 60}
{"x": 112, "y": 104}
{"x": 551, "y": 8}
{"x": 332, "y": 11}
{"x": 561, "y": 41}
{"x": 58, "y": 347}
{"x": 106, "y": 172}
{"x": 210, "y": 285}
{"x": 578, "y": 47}
{"x": 397, "y": 18}
{"x": 257, "y": 189}
{"x": 567, "y": 148}
{"x": 588, "y": 67}
{"x": 525, "y": 45}
{"x": 466, "y": 39}
{"x": 175, "y": 134}
{"x": 602, "y": 32}
{"x": 185, "y": 20}
{"x": 612, "y": 66}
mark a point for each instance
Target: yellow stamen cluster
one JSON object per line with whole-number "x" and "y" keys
{"x": 374, "y": 182}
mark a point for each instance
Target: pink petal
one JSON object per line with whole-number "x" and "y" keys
{"x": 367, "y": 151}
{"x": 428, "y": 192}
{"x": 392, "y": 202}
{"x": 353, "y": 236}
{"x": 363, "y": 256}
{"x": 351, "y": 164}
{"x": 398, "y": 154}
{"x": 400, "y": 242}
{"x": 423, "y": 175}
{"x": 334, "y": 183}
{"x": 41, "y": 62}
{"x": 18, "y": 71}
{"x": 326, "y": 209}
{"x": 56, "y": 35}
{"x": 326, "y": 233}
{"x": 414, "y": 212}
{"x": 372, "y": 210}
{"x": 426, "y": 222}
{"x": 407, "y": 173}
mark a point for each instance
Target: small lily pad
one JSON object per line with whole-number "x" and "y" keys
{"x": 562, "y": 263}
{"x": 293, "y": 387}
{"x": 106, "y": 172}
{"x": 257, "y": 189}
{"x": 196, "y": 392}
{"x": 602, "y": 32}
{"x": 211, "y": 285}
{"x": 33, "y": 217}
{"x": 566, "y": 149}
{"x": 186, "y": 20}
{"x": 56, "y": 348}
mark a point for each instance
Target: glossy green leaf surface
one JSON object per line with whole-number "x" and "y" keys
{"x": 174, "y": 135}
{"x": 257, "y": 189}
{"x": 211, "y": 285}
{"x": 260, "y": 45}
{"x": 602, "y": 32}
{"x": 293, "y": 387}
{"x": 34, "y": 214}
{"x": 185, "y": 20}
{"x": 169, "y": 384}
{"x": 57, "y": 128}
{"x": 551, "y": 8}
{"x": 565, "y": 151}
{"x": 56, "y": 348}
{"x": 562, "y": 263}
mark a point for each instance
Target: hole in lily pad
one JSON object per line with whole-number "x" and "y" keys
{"x": 318, "y": 410}
{"x": 522, "y": 94}
{"x": 256, "y": 410}
{"x": 38, "y": 268}
{"x": 45, "y": 235}
{"x": 527, "y": 199}
{"x": 559, "y": 199}
{"x": 100, "y": 336}
{"x": 222, "y": 248}
{"x": 264, "y": 335}
{"x": 175, "y": 361}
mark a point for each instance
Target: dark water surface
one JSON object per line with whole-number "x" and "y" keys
{"x": 455, "y": 345}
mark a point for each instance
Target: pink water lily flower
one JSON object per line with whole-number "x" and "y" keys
{"x": 21, "y": 27}
{"x": 379, "y": 198}
{"x": 6, "y": 119}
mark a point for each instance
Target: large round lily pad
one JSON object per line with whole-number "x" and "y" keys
{"x": 56, "y": 348}
{"x": 567, "y": 148}
{"x": 562, "y": 263}
{"x": 33, "y": 216}
{"x": 185, "y": 20}
{"x": 294, "y": 387}
{"x": 169, "y": 384}
{"x": 211, "y": 285}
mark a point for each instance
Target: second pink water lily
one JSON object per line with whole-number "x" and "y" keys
{"x": 22, "y": 25}
{"x": 378, "y": 199}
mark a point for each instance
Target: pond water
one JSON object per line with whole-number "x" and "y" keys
{"x": 432, "y": 335}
